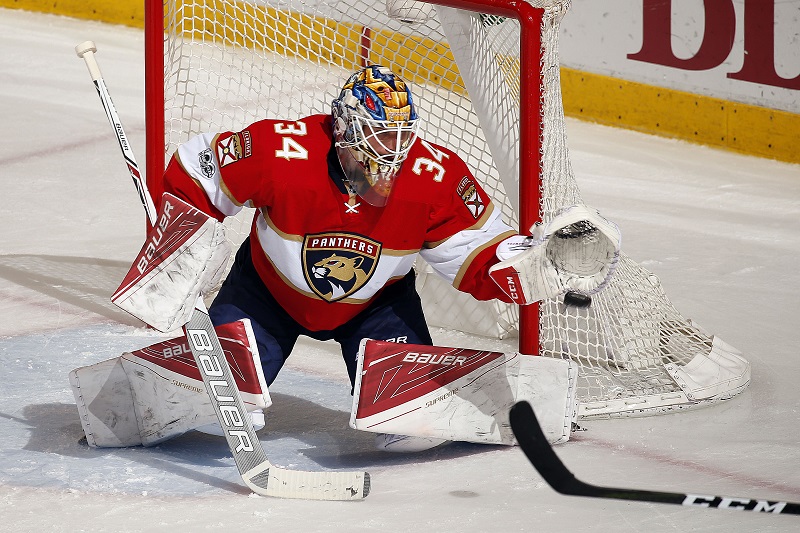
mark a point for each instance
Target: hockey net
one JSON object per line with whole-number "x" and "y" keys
{"x": 475, "y": 67}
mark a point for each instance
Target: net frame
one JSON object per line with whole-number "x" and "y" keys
{"x": 530, "y": 120}
{"x": 628, "y": 339}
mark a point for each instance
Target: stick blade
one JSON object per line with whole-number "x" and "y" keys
{"x": 268, "y": 480}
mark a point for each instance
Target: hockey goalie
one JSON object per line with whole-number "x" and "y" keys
{"x": 345, "y": 203}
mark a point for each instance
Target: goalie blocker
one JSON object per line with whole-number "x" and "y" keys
{"x": 459, "y": 394}
{"x": 185, "y": 253}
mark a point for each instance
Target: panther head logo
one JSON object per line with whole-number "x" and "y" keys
{"x": 471, "y": 198}
{"x": 338, "y": 264}
{"x": 342, "y": 273}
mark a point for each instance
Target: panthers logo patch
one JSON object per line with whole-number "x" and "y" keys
{"x": 338, "y": 264}
{"x": 468, "y": 192}
{"x": 233, "y": 148}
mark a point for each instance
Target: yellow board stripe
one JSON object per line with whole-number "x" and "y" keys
{"x": 670, "y": 113}
{"x": 126, "y": 12}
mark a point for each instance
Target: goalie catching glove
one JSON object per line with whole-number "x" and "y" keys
{"x": 577, "y": 251}
{"x": 185, "y": 254}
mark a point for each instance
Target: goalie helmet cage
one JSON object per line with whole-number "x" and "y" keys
{"x": 486, "y": 80}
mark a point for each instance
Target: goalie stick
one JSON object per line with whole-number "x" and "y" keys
{"x": 257, "y": 472}
{"x": 532, "y": 441}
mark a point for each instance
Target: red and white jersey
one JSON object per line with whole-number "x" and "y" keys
{"x": 322, "y": 252}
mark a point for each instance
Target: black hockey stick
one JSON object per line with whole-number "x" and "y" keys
{"x": 533, "y": 442}
{"x": 255, "y": 468}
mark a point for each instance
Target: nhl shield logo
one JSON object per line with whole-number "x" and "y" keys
{"x": 338, "y": 264}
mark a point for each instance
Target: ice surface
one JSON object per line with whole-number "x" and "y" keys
{"x": 720, "y": 230}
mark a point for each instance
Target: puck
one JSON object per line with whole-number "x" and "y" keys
{"x": 577, "y": 300}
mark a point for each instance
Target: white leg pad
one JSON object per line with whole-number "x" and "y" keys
{"x": 458, "y": 394}
{"x": 166, "y": 403}
{"x": 105, "y": 404}
{"x": 156, "y": 393}
{"x": 549, "y": 386}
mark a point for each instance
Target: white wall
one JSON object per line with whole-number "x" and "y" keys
{"x": 599, "y": 35}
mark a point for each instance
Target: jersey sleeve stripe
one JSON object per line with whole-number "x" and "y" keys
{"x": 488, "y": 217}
{"x": 468, "y": 262}
{"x": 452, "y": 257}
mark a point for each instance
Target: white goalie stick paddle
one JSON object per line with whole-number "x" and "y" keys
{"x": 257, "y": 472}
{"x": 532, "y": 441}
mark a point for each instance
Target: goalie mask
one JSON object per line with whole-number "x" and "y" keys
{"x": 374, "y": 126}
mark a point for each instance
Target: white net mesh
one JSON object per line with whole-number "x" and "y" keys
{"x": 229, "y": 63}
